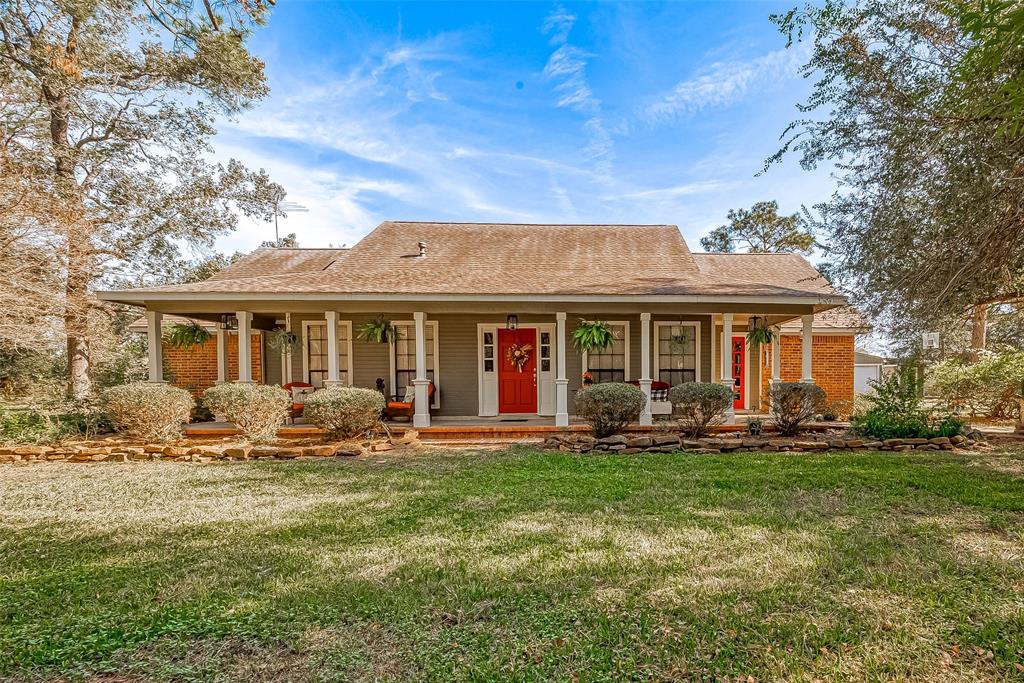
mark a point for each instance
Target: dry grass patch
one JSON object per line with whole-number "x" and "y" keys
{"x": 517, "y": 564}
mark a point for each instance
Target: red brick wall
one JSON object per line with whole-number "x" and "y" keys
{"x": 195, "y": 367}
{"x": 831, "y": 365}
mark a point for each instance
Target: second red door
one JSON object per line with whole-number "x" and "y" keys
{"x": 517, "y": 371}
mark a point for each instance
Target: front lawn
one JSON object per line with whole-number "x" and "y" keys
{"x": 517, "y": 565}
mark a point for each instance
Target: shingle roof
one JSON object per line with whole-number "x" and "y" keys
{"x": 513, "y": 259}
{"x": 272, "y": 260}
{"x": 841, "y": 318}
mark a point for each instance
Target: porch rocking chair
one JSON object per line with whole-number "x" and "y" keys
{"x": 298, "y": 398}
{"x": 406, "y": 407}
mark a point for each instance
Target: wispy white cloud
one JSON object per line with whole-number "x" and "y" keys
{"x": 567, "y": 69}
{"x": 676, "y": 191}
{"x": 724, "y": 83}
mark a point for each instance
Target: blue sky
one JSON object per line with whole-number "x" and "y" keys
{"x": 521, "y": 112}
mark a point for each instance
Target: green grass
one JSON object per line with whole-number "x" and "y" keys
{"x": 517, "y": 565}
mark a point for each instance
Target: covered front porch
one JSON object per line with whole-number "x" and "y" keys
{"x": 461, "y": 349}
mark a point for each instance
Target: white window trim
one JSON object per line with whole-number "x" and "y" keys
{"x": 658, "y": 324}
{"x": 436, "y": 403}
{"x": 625, "y": 367}
{"x": 306, "y": 324}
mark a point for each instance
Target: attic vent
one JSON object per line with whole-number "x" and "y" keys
{"x": 423, "y": 249}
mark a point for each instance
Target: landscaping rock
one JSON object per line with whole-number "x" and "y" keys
{"x": 939, "y": 440}
{"x": 730, "y": 444}
{"x": 613, "y": 440}
{"x": 916, "y": 441}
{"x": 32, "y": 450}
{"x": 958, "y": 440}
{"x": 263, "y": 452}
{"x": 347, "y": 451}
{"x": 289, "y": 452}
{"x": 381, "y": 447}
{"x": 617, "y": 447}
{"x": 903, "y": 447}
{"x": 153, "y": 448}
{"x": 665, "y": 440}
{"x": 239, "y": 452}
{"x": 811, "y": 445}
{"x": 318, "y": 451}
{"x": 174, "y": 451}
{"x": 892, "y": 443}
{"x": 754, "y": 443}
{"x": 640, "y": 442}
{"x": 711, "y": 443}
{"x": 630, "y": 451}
{"x": 690, "y": 444}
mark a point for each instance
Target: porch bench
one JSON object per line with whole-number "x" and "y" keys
{"x": 660, "y": 404}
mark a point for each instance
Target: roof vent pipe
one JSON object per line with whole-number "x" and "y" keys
{"x": 423, "y": 249}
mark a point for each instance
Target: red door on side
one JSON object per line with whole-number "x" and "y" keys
{"x": 739, "y": 363}
{"x": 517, "y": 382}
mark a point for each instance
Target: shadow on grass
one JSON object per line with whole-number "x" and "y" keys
{"x": 530, "y": 565}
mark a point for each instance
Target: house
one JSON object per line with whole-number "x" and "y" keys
{"x": 465, "y": 295}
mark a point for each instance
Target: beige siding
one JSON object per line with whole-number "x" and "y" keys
{"x": 458, "y": 361}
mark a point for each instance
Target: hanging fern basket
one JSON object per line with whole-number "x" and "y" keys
{"x": 379, "y": 330}
{"x": 283, "y": 340}
{"x": 592, "y": 334}
{"x": 186, "y": 334}
{"x": 760, "y": 335}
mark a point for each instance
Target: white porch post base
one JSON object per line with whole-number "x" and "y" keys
{"x": 421, "y": 416}
{"x": 730, "y": 411}
{"x": 421, "y": 407}
{"x": 561, "y": 381}
{"x": 154, "y": 346}
{"x": 244, "y": 347}
{"x": 222, "y": 355}
{"x": 646, "y": 417}
{"x": 562, "y": 403}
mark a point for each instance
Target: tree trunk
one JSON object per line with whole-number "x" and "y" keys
{"x": 979, "y": 324}
{"x": 78, "y": 247}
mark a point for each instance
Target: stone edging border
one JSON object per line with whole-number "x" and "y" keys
{"x": 670, "y": 443}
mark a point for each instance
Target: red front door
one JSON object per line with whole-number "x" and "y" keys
{"x": 739, "y": 363}
{"x": 517, "y": 371}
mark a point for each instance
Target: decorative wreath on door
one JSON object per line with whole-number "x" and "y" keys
{"x": 518, "y": 355}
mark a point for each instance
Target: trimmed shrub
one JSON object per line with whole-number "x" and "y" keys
{"x": 256, "y": 409}
{"x": 149, "y": 410}
{"x": 609, "y": 407}
{"x": 793, "y": 404}
{"x": 698, "y": 405}
{"x": 344, "y": 411}
{"x": 988, "y": 387}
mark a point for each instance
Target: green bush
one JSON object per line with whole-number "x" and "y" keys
{"x": 894, "y": 411}
{"x": 344, "y": 411}
{"x": 988, "y": 387}
{"x": 609, "y": 407}
{"x": 698, "y": 405}
{"x": 49, "y": 422}
{"x": 149, "y": 410}
{"x": 258, "y": 410}
{"x": 793, "y": 404}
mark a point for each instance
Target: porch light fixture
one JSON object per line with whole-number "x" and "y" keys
{"x": 754, "y": 320}
{"x": 229, "y": 322}
{"x": 511, "y": 321}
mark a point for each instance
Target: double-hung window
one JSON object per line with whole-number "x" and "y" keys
{"x": 315, "y": 352}
{"x": 405, "y": 356}
{"x": 676, "y": 353}
{"x": 610, "y": 364}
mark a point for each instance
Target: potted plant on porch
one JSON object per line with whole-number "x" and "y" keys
{"x": 592, "y": 334}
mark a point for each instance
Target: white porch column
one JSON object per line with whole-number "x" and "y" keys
{"x": 222, "y": 354}
{"x": 807, "y": 342}
{"x": 286, "y": 353}
{"x": 333, "y": 373}
{"x": 777, "y": 357}
{"x": 244, "y": 346}
{"x": 561, "y": 381}
{"x": 646, "y": 418}
{"x": 155, "y": 349}
{"x": 727, "y": 379}
{"x": 421, "y": 416}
